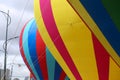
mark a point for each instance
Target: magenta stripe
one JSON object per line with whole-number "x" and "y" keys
{"x": 51, "y": 27}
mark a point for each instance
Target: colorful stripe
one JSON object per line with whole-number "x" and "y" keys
{"x": 114, "y": 70}
{"x": 32, "y": 50}
{"x": 102, "y": 59}
{"x": 58, "y": 71}
{"x": 26, "y": 49}
{"x": 55, "y": 36}
{"x": 50, "y": 64}
{"x": 62, "y": 76}
{"x": 41, "y": 54}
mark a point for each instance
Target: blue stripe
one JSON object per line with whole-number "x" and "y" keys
{"x": 58, "y": 71}
{"x": 50, "y": 65}
{"x": 97, "y": 11}
{"x": 26, "y": 49}
{"x": 32, "y": 48}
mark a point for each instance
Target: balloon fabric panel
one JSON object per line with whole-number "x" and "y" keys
{"x": 102, "y": 59}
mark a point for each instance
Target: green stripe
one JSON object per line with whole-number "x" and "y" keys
{"x": 113, "y": 8}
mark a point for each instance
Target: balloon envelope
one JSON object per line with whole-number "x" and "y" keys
{"x": 37, "y": 56}
{"x": 72, "y": 43}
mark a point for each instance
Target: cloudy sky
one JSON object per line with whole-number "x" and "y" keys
{"x": 20, "y": 12}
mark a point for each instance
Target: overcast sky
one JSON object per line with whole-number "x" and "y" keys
{"x": 20, "y": 11}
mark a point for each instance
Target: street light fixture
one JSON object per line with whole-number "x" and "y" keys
{"x": 7, "y": 43}
{"x": 9, "y": 40}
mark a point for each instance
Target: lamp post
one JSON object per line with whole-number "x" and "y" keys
{"x": 8, "y": 18}
{"x": 3, "y": 51}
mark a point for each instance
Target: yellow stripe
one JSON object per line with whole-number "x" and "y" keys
{"x": 114, "y": 73}
{"x": 48, "y": 41}
{"x": 77, "y": 38}
{"x": 92, "y": 25}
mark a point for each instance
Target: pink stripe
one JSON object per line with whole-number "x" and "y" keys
{"x": 55, "y": 36}
{"x": 102, "y": 59}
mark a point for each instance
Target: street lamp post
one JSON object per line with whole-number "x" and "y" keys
{"x": 8, "y": 18}
{"x": 5, "y": 61}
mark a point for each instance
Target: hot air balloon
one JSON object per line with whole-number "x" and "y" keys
{"x": 77, "y": 49}
{"x": 37, "y": 56}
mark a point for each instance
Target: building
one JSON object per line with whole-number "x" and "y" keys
{"x": 2, "y": 74}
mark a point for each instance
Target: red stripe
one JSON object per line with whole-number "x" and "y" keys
{"x": 41, "y": 55}
{"x": 55, "y": 36}
{"x": 62, "y": 75}
{"x": 102, "y": 59}
{"x": 22, "y": 51}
